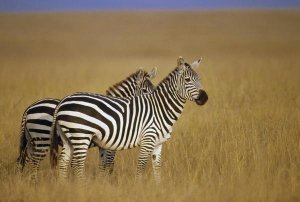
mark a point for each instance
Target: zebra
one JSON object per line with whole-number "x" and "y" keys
{"x": 38, "y": 117}
{"x": 123, "y": 123}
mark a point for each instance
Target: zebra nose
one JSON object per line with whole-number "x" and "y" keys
{"x": 203, "y": 97}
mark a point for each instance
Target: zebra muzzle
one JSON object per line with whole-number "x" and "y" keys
{"x": 203, "y": 97}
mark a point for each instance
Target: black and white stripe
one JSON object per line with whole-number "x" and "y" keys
{"x": 123, "y": 123}
{"x": 37, "y": 120}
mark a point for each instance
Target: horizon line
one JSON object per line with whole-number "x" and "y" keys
{"x": 145, "y": 10}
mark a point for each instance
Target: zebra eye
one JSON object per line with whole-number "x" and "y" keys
{"x": 187, "y": 79}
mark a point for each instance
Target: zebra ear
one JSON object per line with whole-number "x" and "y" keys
{"x": 180, "y": 61}
{"x": 152, "y": 73}
{"x": 180, "y": 64}
{"x": 196, "y": 63}
{"x": 140, "y": 75}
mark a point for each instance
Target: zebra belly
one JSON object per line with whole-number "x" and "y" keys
{"x": 96, "y": 141}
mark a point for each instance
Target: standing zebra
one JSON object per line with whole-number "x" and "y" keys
{"x": 123, "y": 123}
{"x": 37, "y": 120}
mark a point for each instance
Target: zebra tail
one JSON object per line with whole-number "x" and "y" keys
{"x": 23, "y": 145}
{"x": 54, "y": 142}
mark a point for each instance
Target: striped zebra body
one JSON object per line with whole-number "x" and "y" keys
{"x": 123, "y": 123}
{"x": 37, "y": 120}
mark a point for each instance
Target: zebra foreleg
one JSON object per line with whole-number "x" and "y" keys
{"x": 156, "y": 163}
{"x": 147, "y": 147}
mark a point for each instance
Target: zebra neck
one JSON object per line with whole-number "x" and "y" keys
{"x": 125, "y": 88}
{"x": 169, "y": 104}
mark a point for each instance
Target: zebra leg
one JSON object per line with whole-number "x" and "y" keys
{"x": 156, "y": 163}
{"x": 79, "y": 155}
{"x": 106, "y": 159}
{"x": 102, "y": 161}
{"x": 34, "y": 165}
{"x": 37, "y": 151}
{"x": 78, "y": 164}
{"x": 34, "y": 162}
{"x": 21, "y": 163}
{"x": 64, "y": 159}
{"x": 147, "y": 147}
{"x": 110, "y": 156}
{"x": 33, "y": 153}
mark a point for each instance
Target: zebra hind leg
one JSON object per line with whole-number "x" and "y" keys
{"x": 64, "y": 159}
{"x": 77, "y": 164}
{"x": 38, "y": 150}
{"x": 32, "y": 155}
{"x": 80, "y": 149}
{"x": 32, "y": 159}
{"x": 34, "y": 165}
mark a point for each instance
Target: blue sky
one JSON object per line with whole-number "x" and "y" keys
{"x": 61, "y": 5}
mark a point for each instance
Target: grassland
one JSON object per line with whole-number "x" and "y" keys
{"x": 243, "y": 145}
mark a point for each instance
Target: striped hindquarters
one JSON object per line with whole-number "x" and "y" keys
{"x": 38, "y": 124}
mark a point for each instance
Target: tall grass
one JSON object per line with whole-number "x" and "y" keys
{"x": 243, "y": 145}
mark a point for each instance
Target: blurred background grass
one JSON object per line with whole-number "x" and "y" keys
{"x": 243, "y": 145}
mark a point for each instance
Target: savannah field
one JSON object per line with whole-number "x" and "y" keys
{"x": 243, "y": 145}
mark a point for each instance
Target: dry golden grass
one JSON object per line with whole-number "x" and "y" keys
{"x": 243, "y": 145}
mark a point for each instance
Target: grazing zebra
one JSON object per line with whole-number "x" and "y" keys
{"x": 38, "y": 117}
{"x": 123, "y": 123}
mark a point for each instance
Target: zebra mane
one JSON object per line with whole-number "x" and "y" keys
{"x": 168, "y": 78}
{"x": 125, "y": 87}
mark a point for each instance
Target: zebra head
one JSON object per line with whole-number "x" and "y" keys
{"x": 143, "y": 83}
{"x": 189, "y": 83}
{"x": 136, "y": 84}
